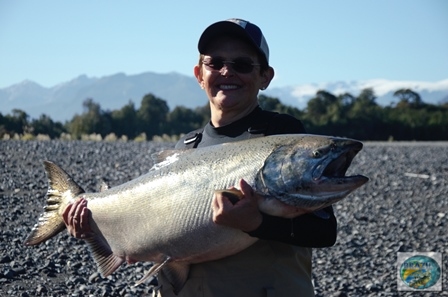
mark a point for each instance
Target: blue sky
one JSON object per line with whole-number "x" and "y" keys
{"x": 50, "y": 42}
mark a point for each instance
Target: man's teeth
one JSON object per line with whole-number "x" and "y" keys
{"x": 228, "y": 87}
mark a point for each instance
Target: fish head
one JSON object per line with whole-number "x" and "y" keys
{"x": 309, "y": 171}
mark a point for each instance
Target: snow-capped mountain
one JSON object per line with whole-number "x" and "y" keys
{"x": 63, "y": 101}
{"x": 430, "y": 92}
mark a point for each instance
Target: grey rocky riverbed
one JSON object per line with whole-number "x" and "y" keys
{"x": 404, "y": 208}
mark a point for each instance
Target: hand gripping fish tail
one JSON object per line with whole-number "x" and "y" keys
{"x": 61, "y": 191}
{"x": 145, "y": 220}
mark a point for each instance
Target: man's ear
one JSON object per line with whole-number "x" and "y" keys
{"x": 267, "y": 75}
{"x": 198, "y": 74}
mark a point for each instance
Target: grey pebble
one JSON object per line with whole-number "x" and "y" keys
{"x": 403, "y": 208}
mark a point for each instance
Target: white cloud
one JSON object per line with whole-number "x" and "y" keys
{"x": 380, "y": 86}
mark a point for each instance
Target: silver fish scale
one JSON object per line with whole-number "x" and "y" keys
{"x": 166, "y": 214}
{"x": 178, "y": 203}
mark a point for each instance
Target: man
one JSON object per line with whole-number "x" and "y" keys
{"x": 233, "y": 66}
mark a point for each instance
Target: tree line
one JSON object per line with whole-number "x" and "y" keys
{"x": 358, "y": 117}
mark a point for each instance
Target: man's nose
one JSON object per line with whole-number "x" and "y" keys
{"x": 226, "y": 70}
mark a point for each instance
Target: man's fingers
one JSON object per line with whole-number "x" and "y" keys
{"x": 65, "y": 214}
{"x": 215, "y": 204}
{"x": 243, "y": 214}
{"x": 84, "y": 228}
{"x": 220, "y": 201}
{"x": 246, "y": 189}
{"x": 76, "y": 218}
{"x": 79, "y": 207}
{"x": 84, "y": 224}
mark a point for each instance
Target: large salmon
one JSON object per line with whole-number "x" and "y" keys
{"x": 165, "y": 216}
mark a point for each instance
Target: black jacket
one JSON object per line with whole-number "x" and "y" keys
{"x": 310, "y": 230}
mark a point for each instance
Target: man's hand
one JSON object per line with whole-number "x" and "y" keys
{"x": 76, "y": 219}
{"x": 243, "y": 215}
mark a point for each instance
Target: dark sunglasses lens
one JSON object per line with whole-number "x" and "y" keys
{"x": 239, "y": 65}
{"x": 216, "y": 64}
{"x": 243, "y": 66}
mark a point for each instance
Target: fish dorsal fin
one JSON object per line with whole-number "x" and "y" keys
{"x": 153, "y": 271}
{"x": 103, "y": 186}
{"x": 176, "y": 273}
{"x": 106, "y": 260}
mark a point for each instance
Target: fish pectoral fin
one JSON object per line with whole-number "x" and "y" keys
{"x": 106, "y": 260}
{"x": 153, "y": 271}
{"x": 176, "y": 273}
{"x": 233, "y": 195}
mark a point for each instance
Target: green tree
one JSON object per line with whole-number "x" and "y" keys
{"x": 18, "y": 122}
{"x": 183, "y": 120}
{"x": 316, "y": 108}
{"x": 408, "y": 98}
{"x": 124, "y": 121}
{"x": 92, "y": 120}
{"x": 274, "y": 104}
{"x": 269, "y": 103}
{"x": 45, "y": 125}
{"x": 204, "y": 112}
{"x": 327, "y": 113}
{"x": 3, "y": 124}
{"x": 152, "y": 116}
{"x": 365, "y": 117}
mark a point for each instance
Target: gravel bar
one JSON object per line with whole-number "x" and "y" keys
{"x": 403, "y": 208}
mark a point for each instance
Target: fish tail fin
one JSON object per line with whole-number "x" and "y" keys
{"x": 61, "y": 190}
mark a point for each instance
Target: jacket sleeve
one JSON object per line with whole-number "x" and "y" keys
{"x": 318, "y": 229}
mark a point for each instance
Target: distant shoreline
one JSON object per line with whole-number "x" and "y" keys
{"x": 405, "y": 143}
{"x": 365, "y": 142}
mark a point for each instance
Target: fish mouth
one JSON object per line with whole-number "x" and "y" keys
{"x": 333, "y": 173}
{"x": 329, "y": 182}
{"x": 339, "y": 166}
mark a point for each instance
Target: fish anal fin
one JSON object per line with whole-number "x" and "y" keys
{"x": 233, "y": 195}
{"x": 106, "y": 260}
{"x": 153, "y": 271}
{"x": 176, "y": 273}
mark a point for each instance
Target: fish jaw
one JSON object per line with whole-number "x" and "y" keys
{"x": 321, "y": 167}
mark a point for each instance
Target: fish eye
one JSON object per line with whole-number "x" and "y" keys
{"x": 317, "y": 154}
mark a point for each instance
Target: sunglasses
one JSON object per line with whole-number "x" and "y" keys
{"x": 241, "y": 65}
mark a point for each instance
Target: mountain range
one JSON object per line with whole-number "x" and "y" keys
{"x": 61, "y": 102}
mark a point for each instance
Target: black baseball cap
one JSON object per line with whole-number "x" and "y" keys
{"x": 237, "y": 27}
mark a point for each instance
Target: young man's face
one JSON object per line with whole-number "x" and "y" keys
{"x": 232, "y": 87}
